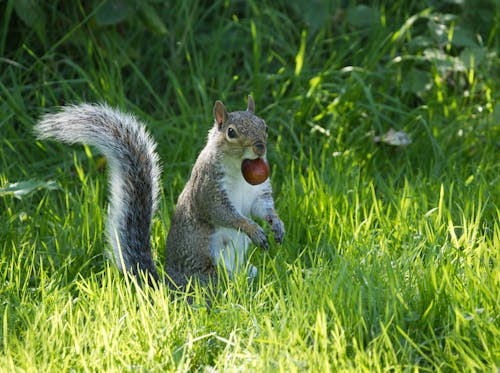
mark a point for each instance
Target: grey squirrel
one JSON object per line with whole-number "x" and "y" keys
{"x": 211, "y": 223}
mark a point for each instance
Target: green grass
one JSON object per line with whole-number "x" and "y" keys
{"x": 391, "y": 259}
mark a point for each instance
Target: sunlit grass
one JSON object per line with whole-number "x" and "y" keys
{"x": 391, "y": 256}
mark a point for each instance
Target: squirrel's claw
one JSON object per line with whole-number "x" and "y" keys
{"x": 259, "y": 238}
{"x": 277, "y": 227}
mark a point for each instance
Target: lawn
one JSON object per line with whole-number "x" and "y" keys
{"x": 391, "y": 256}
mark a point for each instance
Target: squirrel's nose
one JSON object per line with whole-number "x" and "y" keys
{"x": 259, "y": 148}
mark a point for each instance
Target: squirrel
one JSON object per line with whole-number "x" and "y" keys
{"x": 211, "y": 224}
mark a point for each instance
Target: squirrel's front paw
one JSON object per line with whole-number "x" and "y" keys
{"x": 277, "y": 227}
{"x": 259, "y": 238}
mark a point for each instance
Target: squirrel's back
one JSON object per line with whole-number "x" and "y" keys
{"x": 134, "y": 174}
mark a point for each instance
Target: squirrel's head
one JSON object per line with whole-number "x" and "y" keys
{"x": 240, "y": 134}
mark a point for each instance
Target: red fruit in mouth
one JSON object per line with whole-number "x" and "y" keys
{"x": 255, "y": 171}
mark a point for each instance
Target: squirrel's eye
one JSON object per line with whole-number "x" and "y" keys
{"x": 231, "y": 133}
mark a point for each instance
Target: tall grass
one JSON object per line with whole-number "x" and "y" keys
{"x": 391, "y": 259}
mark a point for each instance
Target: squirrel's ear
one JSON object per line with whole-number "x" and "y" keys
{"x": 251, "y": 104}
{"x": 220, "y": 112}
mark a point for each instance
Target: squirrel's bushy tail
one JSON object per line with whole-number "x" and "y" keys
{"x": 133, "y": 180}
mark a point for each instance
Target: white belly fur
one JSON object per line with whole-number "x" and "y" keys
{"x": 229, "y": 246}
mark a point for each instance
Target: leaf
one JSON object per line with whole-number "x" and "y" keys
{"x": 416, "y": 81}
{"x": 401, "y": 33}
{"x": 150, "y": 18}
{"x": 24, "y": 188}
{"x": 439, "y": 30}
{"x": 463, "y": 38}
{"x": 315, "y": 13}
{"x": 442, "y": 61}
{"x": 362, "y": 16}
{"x": 419, "y": 43}
{"x": 472, "y": 57}
{"x": 394, "y": 138}
{"x": 32, "y": 14}
{"x": 112, "y": 12}
{"x": 299, "y": 58}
